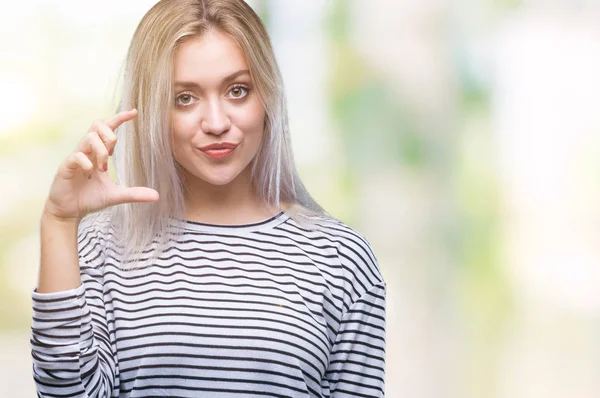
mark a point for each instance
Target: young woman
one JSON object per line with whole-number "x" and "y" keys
{"x": 214, "y": 272}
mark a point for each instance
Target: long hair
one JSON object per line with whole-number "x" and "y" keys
{"x": 143, "y": 155}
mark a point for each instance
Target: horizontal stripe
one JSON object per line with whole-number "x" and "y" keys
{"x": 265, "y": 309}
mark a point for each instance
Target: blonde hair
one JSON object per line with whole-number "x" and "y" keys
{"x": 143, "y": 155}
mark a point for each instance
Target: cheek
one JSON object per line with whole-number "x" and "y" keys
{"x": 251, "y": 120}
{"x": 181, "y": 133}
{"x": 182, "y": 125}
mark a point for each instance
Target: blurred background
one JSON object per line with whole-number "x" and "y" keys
{"x": 462, "y": 138}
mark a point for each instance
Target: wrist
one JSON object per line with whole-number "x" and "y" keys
{"x": 48, "y": 216}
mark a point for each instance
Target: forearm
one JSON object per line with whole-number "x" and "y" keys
{"x": 59, "y": 263}
{"x": 68, "y": 314}
{"x": 66, "y": 360}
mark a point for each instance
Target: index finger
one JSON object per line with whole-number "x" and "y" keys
{"x": 121, "y": 118}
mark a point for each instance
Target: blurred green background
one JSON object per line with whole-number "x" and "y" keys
{"x": 460, "y": 137}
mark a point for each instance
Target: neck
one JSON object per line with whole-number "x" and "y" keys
{"x": 233, "y": 203}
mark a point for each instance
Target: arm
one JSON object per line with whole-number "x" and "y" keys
{"x": 357, "y": 363}
{"x": 72, "y": 347}
{"x": 59, "y": 265}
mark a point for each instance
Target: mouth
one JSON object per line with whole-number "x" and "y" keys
{"x": 219, "y": 150}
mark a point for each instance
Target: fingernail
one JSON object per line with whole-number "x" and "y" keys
{"x": 105, "y": 166}
{"x": 110, "y": 152}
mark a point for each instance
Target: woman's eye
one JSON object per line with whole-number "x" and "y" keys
{"x": 184, "y": 99}
{"x": 239, "y": 91}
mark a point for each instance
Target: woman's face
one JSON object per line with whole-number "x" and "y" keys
{"x": 217, "y": 117}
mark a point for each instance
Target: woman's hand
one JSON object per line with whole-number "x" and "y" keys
{"x": 82, "y": 184}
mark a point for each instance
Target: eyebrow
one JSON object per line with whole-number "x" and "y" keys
{"x": 227, "y": 79}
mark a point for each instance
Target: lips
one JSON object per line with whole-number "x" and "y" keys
{"x": 220, "y": 145}
{"x": 218, "y": 150}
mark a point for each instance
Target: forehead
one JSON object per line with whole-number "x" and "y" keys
{"x": 207, "y": 58}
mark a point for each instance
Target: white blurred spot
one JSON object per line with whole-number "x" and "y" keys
{"x": 17, "y": 104}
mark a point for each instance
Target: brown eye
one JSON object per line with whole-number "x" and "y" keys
{"x": 184, "y": 100}
{"x": 239, "y": 91}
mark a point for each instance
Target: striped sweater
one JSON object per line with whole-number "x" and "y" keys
{"x": 269, "y": 309}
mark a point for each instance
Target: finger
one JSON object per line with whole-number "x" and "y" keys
{"x": 76, "y": 163}
{"x": 134, "y": 194}
{"x": 108, "y": 137}
{"x": 121, "y": 118}
{"x": 97, "y": 151}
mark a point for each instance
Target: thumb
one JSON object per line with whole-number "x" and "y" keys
{"x": 133, "y": 194}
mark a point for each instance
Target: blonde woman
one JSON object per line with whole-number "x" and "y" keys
{"x": 207, "y": 269}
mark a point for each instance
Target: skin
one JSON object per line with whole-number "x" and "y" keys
{"x": 210, "y": 108}
{"x": 81, "y": 185}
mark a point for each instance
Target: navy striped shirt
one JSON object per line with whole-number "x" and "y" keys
{"x": 270, "y": 309}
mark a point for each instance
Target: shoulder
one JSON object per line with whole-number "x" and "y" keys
{"x": 355, "y": 253}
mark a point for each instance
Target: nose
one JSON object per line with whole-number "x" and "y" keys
{"x": 215, "y": 120}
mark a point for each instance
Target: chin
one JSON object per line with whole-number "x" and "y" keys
{"x": 218, "y": 180}
{"x": 220, "y": 175}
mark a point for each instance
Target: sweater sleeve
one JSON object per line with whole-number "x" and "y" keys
{"x": 357, "y": 363}
{"x": 73, "y": 349}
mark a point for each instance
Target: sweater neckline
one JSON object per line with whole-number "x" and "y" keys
{"x": 263, "y": 225}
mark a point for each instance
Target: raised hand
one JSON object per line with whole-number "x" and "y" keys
{"x": 82, "y": 184}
